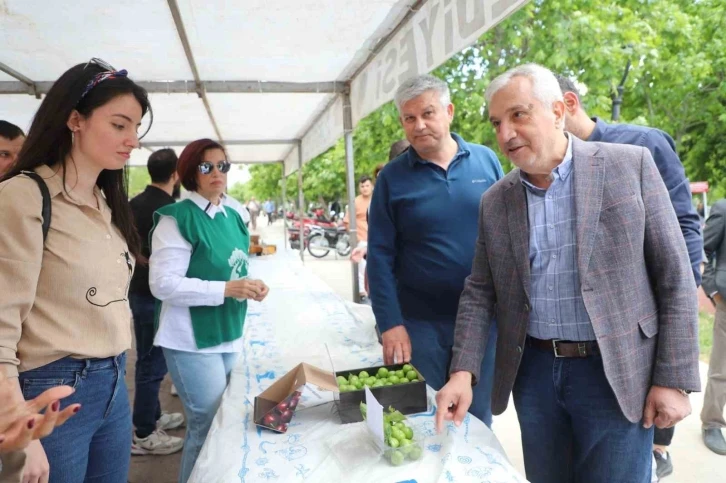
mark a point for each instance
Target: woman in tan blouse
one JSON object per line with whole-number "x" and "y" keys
{"x": 21, "y": 421}
{"x": 64, "y": 313}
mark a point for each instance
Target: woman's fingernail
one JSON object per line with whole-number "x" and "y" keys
{"x": 76, "y": 409}
{"x": 31, "y": 423}
{"x": 55, "y": 406}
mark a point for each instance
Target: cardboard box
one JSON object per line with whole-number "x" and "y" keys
{"x": 409, "y": 398}
{"x": 275, "y": 407}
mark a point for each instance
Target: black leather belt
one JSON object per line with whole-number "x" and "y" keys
{"x": 563, "y": 348}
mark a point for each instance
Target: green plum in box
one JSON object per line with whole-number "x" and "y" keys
{"x": 407, "y": 393}
{"x": 400, "y": 443}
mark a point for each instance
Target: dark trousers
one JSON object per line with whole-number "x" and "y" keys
{"x": 663, "y": 437}
{"x": 573, "y": 430}
{"x": 431, "y": 345}
{"x": 150, "y": 366}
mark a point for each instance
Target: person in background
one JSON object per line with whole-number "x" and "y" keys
{"x": 270, "y": 211}
{"x": 662, "y": 148}
{"x": 362, "y": 202}
{"x": 422, "y": 235}
{"x": 714, "y": 284}
{"x": 253, "y": 207}
{"x": 198, "y": 270}
{"x": 11, "y": 141}
{"x": 64, "y": 311}
{"x": 335, "y": 210}
{"x": 239, "y": 207}
{"x": 361, "y": 251}
{"x": 150, "y": 422}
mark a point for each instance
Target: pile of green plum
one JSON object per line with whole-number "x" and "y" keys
{"x": 397, "y": 436}
{"x": 383, "y": 377}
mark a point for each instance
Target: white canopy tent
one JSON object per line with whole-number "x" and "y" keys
{"x": 273, "y": 80}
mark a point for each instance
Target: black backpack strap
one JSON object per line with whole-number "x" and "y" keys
{"x": 46, "y": 210}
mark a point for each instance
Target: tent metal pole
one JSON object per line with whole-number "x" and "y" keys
{"x": 181, "y": 30}
{"x": 284, "y": 203}
{"x": 233, "y": 142}
{"x": 301, "y": 200}
{"x": 24, "y": 85}
{"x": 27, "y": 85}
{"x": 350, "y": 188}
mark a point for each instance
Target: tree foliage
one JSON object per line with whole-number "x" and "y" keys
{"x": 264, "y": 182}
{"x": 138, "y": 177}
{"x": 677, "y": 81}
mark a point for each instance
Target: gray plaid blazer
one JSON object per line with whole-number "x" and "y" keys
{"x": 636, "y": 279}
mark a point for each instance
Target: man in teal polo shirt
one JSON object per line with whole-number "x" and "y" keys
{"x": 422, "y": 232}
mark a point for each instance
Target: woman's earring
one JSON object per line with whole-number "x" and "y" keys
{"x": 73, "y": 138}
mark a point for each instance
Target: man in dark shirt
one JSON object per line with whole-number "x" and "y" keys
{"x": 150, "y": 422}
{"x": 663, "y": 149}
{"x": 423, "y": 228}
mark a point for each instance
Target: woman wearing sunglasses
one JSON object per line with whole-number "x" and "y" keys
{"x": 64, "y": 311}
{"x": 198, "y": 270}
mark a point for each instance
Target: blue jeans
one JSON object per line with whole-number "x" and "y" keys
{"x": 200, "y": 380}
{"x": 150, "y": 365}
{"x": 573, "y": 430}
{"x": 95, "y": 444}
{"x": 431, "y": 345}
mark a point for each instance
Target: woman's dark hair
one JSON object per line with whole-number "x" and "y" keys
{"x": 191, "y": 158}
{"x": 49, "y": 140}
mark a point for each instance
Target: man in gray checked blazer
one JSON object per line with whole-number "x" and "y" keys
{"x": 581, "y": 259}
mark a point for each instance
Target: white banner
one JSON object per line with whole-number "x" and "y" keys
{"x": 438, "y": 31}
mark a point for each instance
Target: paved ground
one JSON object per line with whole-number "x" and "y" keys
{"x": 155, "y": 469}
{"x": 692, "y": 461}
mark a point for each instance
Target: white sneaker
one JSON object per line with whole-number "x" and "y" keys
{"x": 157, "y": 443}
{"x": 173, "y": 392}
{"x": 169, "y": 421}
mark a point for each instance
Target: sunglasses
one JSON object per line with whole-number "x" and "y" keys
{"x": 109, "y": 72}
{"x": 101, "y": 63}
{"x": 222, "y": 166}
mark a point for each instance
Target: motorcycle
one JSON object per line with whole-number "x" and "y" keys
{"x": 293, "y": 223}
{"x": 323, "y": 239}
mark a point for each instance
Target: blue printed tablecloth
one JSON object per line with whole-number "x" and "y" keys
{"x": 300, "y": 318}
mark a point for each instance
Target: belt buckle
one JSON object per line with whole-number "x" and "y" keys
{"x": 554, "y": 346}
{"x": 582, "y": 349}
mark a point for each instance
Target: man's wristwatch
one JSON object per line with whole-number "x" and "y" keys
{"x": 685, "y": 392}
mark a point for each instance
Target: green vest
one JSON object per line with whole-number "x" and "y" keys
{"x": 219, "y": 253}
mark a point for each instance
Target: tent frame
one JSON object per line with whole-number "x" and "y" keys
{"x": 336, "y": 88}
{"x": 26, "y": 85}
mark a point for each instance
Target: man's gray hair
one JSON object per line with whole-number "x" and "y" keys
{"x": 415, "y": 86}
{"x": 544, "y": 83}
